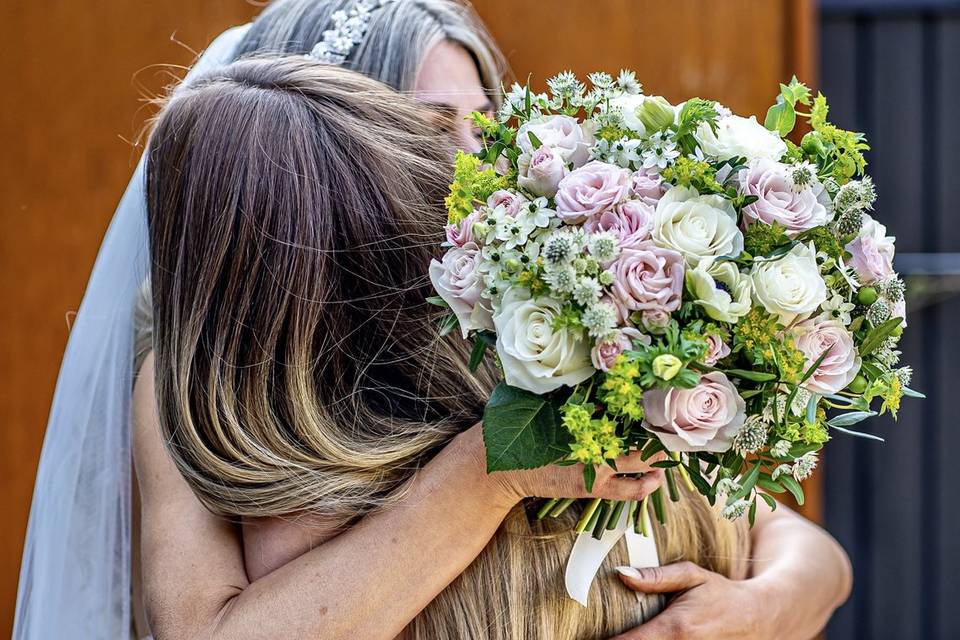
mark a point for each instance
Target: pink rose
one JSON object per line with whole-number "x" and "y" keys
{"x": 541, "y": 172}
{"x": 631, "y": 221}
{"x": 872, "y": 252}
{"x": 563, "y": 135}
{"x": 655, "y": 321}
{"x": 605, "y": 353}
{"x": 648, "y": 186}
{"x": 461, "y": 233}
{"x": 777, "y": 201}
{"x": 509, "y": 200}
{"x": 704, "y": 418}
{"x": 647, "y": 277}
{"x": 842, "y": 363}
{"x": 591, "y": 190}
{"x": 458, "y": 281}
{"x": 717, "y": 350}
{"x": 899, "y": 310}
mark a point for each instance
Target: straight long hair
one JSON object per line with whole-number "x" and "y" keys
{"x": 293, "y": 209}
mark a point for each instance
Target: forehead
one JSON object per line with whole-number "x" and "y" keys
{"x": 449, "y": 75}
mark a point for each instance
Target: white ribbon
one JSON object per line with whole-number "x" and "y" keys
{"x": 589, "y": 553}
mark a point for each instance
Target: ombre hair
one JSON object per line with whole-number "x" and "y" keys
{"x": 293, "y": 210}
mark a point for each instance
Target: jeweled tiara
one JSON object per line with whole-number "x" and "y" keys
{"x": 346, "y": 31}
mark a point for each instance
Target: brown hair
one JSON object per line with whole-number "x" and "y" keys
{"x": 293, "y": 210}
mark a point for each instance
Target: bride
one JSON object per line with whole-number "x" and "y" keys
{"x": 393, "y": 562}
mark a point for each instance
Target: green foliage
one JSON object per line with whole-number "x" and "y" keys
{"x": 761, "y": 239}
{"x": 687, "y": 172}
{"x": 522, "y": 430}
{"x": 470, "y": 185}
{"x": 695, "y": 111}
{"x": 824, "y": 241}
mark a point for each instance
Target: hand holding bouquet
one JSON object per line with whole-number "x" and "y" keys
{"x": 673, "y": 279}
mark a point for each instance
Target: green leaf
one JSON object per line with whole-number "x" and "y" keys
{"x": 448, "y": 324}
{"x": 793, "y": 487}
{"x": 910, "y": 393}
{"x": 877, "y": 335}
{"x": 476, "y": 356}
{"x": 747, "y": 483}
{"x": 812, "y": 409}
{"x": 859, "y": 434}
{"x": 589, "y": 476}
{"x": 665, "y": 464}
{"x": 847, "y": 419}
{"x": 534, "y": 140}
{"x": 770, "y": 501}
{"x": 781, "y": 118}
{"x": 769, "y": 485}
{"x": 752, "y": 516}
{"x": 438, "y": 302}
{"x": 522, "y": 430}
{"x": 753, "y": 376}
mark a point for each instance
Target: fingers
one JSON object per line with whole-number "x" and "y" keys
{"x": 624, "y": 488}
{"x": 662, "y": 627}
{"x": 633, "y": 462}
{"x": 671, "y": 578}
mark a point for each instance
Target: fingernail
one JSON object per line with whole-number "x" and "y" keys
{"x": 629, "y": 572}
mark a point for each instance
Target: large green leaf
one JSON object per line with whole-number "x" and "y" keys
{"x": 522, "y": 430}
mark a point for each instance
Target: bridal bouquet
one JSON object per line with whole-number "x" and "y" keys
{"x": 675, "y": 279}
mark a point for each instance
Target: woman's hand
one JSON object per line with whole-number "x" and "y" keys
{"x": 554, "y": 481}
{"x": 706, "y": 605}
{"x": 798, "y": 576}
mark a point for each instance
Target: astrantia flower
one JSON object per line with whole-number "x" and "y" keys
{"x": 599, "y": 320}
{"x": 604, "y": 246}
{"x": 561, "y": 278}
{"x": 783, "y": 469}
{"x": 560, "y": 247}
{"x": 781, "y": 448}
{"x": 727, "y": 486}
{"x": 804, "y": 466}
{"x": 586, "y": 291}
{"x": 751, "y": 436}
{"x": 627, "y": 80}
{"x": 736, "y": 510}
{"x": 905, "y": 374}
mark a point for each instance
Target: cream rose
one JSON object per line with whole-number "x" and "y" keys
{"x": 536, "y": 355}
{"x": 459, "y": 282}
{"x": 841, "y": 364}
{"x": 704, "y": 418}
{"x": 563, "y": 135}
{"x": 696, "y": 226}
{"x": 789, "y": 287}
{"x": 738, "y": 137}
{"x": 720, "y": 288}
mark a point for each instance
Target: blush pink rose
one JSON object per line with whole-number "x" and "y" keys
{"x": 655, "y": 321}
{"x": 872, "y": 252}
{"x": 563, "y": 135}
{"x": 605, "y": 353}
{"x": 509, "y": 200}
{"x": 777, "y": 201}
{"x": 717, "y": 350}
{"x": 458, "y": 281}
{"x": 647, "y": 277}
{"x": 630, "y": 221}
{"x": 461, "y": 233}
{"x": 541, "y": 171}
{"x": 590, "y": 190}
{"x": 647, "y": 186}
{"x": 704, "y": 418}
{"x": 842, "y": 363}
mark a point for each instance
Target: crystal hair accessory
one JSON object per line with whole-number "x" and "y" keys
{"x": 347, "y": 31}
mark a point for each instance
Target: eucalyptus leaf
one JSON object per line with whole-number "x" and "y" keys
{"x": 753, "y": 376}
{"x": 851, "y": 418}
{"x": 448, "y": 324}
{"x": 859, "y": 434}
{"x": 910, "y": 393}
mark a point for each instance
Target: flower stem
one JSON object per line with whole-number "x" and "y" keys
{"x": 684, "y": 474}
{"x": 561, "y": 507}
{"x": 658, "y": 506}
{"x": 615, "y": 515}
{"x": 546, "y": 508}
{"x": 671, "y": 485}
{"x": 587, "y": 514}
{"x": 599, "y": 521}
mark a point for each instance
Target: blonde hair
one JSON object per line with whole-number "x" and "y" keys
{"x": 293, "y": 211}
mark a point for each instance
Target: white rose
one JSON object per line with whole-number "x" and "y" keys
{"x": 696, "y": 226}
{"x": 790, "y": 287}
{"x": 459, "y": 282}
{"x": 628, "y": 104}
{"x": 562, "y": 134}
{"x": 738, "y": 137}
{"x": 720, "y": 288}
{"x": 536, "y": 355}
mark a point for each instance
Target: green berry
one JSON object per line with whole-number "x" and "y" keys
{"x": 867, "y": 296}
{"x": 859, "y": 384}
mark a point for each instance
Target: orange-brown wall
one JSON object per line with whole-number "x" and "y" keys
{"x": 71, "y": 105}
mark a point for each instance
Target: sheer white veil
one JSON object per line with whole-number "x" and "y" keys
{"x": 75, "y": 574}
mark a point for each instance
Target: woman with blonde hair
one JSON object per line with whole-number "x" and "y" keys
{"x": 424, "y": 528}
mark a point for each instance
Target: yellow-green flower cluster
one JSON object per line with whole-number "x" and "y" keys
{"x": 800, "y": 431}
{"x": 595, "y": 439}
{"x": 761, "y": 239}
{"x": 688, "y": 172}
{"x": 620, "y": 392}
{"x": 759, "y": 335}
{"x": 470, "y": 185}
{"x": 846, "y": 147}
